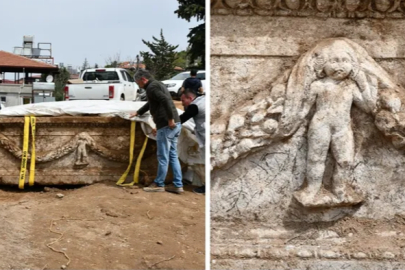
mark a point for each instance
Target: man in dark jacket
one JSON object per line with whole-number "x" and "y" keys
{"x": 166, "y": 118}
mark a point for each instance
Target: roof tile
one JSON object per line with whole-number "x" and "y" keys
{"x": 13, "y": 60}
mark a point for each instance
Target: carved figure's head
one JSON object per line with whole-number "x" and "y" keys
{"x": 338, "y": 66}
{"x": 82, "y": 136}
{"x": 337, "y": 61}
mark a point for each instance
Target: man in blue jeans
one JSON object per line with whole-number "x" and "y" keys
{"x": 166, "y": 118}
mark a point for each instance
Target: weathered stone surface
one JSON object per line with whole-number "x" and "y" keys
{"x": 360, "y": 255}
{"x": 264, "y": 181}
{"x": 303, "y": 253}
{"x": 349, "y": 88}
{"x": 73, "y": 150}
{"x": 327, "y": 235}
{"x": 246, "y": 59}
{"x": 318, "y": 8}
{"x": 290, "y": 37}
{"x": 249, "y": 76}
{"x": 236, "y": 121}
{"x": 388, "y": 255}
{"x": 329, "y": 254}
{"x": 305, "y": 264}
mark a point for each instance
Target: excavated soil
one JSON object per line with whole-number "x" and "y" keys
{"x": 101, "y": 226}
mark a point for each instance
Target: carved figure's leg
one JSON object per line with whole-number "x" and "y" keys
{"x": 343, "y": 152}
{"x": 78, "y": 156}
{"x": 84, "y": 155}
{"x": 319, "y": 137}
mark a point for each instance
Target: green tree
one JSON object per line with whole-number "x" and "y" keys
{"x": 95, "y": 65}
{"x": 161, "y": 61}
{"x": 196, "y": 38}
{"x": 182, "y": 59}
{"x": 60, "y": 81}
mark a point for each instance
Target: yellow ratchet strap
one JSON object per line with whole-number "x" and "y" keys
{"x": 131, "y": 154}
{"x": 24, "y": 155}
{"x": 32, "y": 166}
{"x": 139, "y": 160}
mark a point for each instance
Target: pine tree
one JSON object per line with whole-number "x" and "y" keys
{"x": 182, "y": 59}
{"x": 161, "y": 61}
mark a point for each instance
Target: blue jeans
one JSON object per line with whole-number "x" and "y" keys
{"x": 166, "y": 140}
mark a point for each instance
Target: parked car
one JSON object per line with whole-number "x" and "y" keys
{"x": 141, "y": 95}
{"x": 174, "y": 84}
{"x": 102, "y": 84}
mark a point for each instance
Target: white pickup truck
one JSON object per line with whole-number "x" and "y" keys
{"x": 102, "y": 84}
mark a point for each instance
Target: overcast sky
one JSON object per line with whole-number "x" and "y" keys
{"x": 92, "y": 29}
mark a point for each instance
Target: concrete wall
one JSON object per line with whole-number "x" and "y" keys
{"x": 14, "y": 93}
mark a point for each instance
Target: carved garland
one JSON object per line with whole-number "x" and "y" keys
{"x": 306, "y": 8}
{"x": 76, "y": 142}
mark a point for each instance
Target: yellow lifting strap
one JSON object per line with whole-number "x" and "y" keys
{"x": 32, "y": 166}
{"x": 131, "y": 156}
{"x": 139, "y": 160}
{"x": 24, "y": 157}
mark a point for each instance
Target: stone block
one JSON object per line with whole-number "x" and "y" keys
{"x": 103, "y": 154}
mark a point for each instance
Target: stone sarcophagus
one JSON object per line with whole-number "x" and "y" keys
{"x": 74, "y": 150}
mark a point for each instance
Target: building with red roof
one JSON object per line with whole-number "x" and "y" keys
{"x": 20, "y": 90}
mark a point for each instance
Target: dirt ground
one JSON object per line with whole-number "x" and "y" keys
{"x": 101, "y": 226}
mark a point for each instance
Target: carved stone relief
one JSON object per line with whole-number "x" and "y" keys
{"x": 319, "y": 104}
{"x": 319, "y": 8}
{"x": 81, "y": 151}
{"x": 74, "y": 150}
{"x": 78, "y": 143}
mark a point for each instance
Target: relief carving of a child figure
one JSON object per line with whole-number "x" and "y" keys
{"x": 337, "y": 87}
{"x": 314, "y": 101}
{"x": 81, "y": 152}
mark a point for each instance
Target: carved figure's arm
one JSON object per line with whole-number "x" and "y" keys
{"x": 359, "y": 99}
{"x": 310, "y": 98}
{"x": 290, "y": 126}
{"x": 365, "y": 93}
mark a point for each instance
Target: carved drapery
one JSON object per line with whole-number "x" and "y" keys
{"x": 69, "y": 147}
